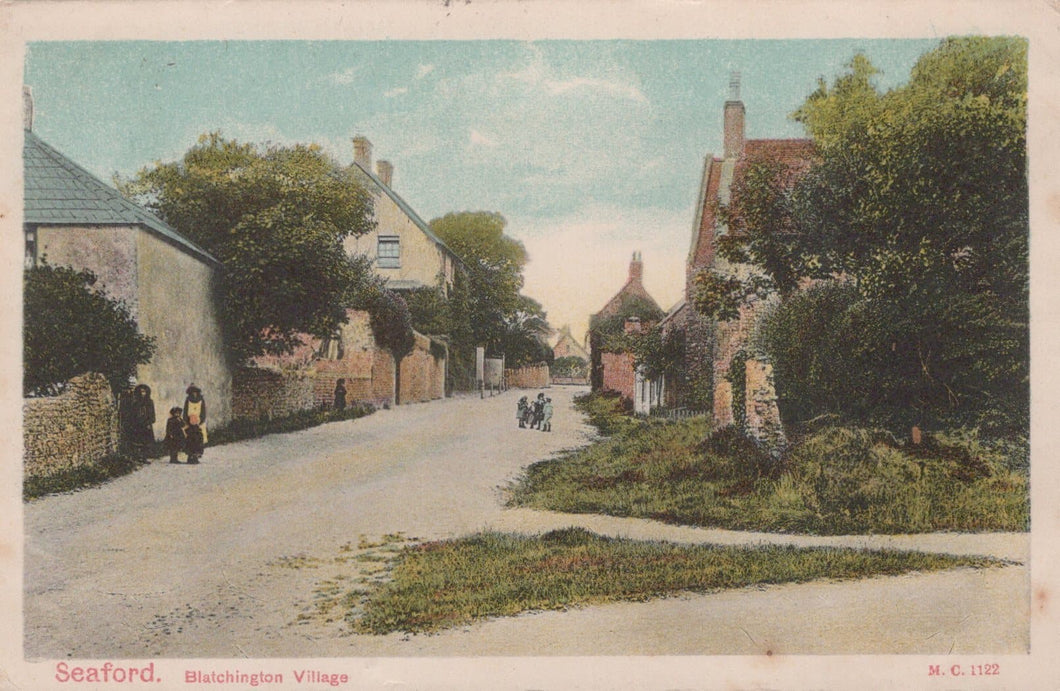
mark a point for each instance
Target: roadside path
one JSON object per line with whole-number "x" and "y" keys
{"x": 220, "y": 560}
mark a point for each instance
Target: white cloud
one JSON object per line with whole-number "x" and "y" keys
{"x": 347, "y": 76}
{"x": 423, "y": 70}
{"x": 480, "y": 139}
{"x": 611, "y": 88}
{"x": 396, "y": 92}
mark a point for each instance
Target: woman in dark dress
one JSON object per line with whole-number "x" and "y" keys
{"x": 195, "y": 421}
{"x": 141, "y": 422}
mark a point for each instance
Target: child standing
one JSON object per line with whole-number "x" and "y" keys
{"x": 546, "y": 416}
{"x": 520, "y": 411}
{"x": 175, "y": 435}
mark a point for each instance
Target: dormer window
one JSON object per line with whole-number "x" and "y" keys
{"x": 389, "y": 252}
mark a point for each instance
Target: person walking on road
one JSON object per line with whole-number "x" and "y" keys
{"x": 546, "y": 416}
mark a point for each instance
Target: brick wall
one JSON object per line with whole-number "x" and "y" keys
{"x": 73, "y": 430}
{"x": 763, "y": 415}
{"x": 529, "y": 377}
{"x": 617, "y": 373}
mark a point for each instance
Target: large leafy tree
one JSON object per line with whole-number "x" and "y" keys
{"x": 70, "y": 328}
{"x": 919, "y": 199}
{"x": 488, "y": 308}
{"x": 276, "y": 217}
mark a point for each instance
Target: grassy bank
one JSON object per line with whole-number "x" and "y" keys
{"x": 455, "y": 582}
{"x": 238, "y": 430}
{"x": 832, "y": 481}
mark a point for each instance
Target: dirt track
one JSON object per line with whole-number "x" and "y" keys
{"x": 219, "y": 560}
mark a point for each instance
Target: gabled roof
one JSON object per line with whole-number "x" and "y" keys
{"x": 406, "y": 209}
{"x": 60, "y": 192}
{"x": 720, "y": 174}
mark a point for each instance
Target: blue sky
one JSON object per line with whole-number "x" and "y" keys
{"x": 590, "y": 149}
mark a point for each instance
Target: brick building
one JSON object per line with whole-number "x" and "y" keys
{"x": 631, "y": 310}
{"x": 722, "y": 375}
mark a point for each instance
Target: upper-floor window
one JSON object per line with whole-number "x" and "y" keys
{"x": 389, "y": 252}
{"x": 31, "y": 247}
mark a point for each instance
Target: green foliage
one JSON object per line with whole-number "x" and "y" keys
{"x": 634, "y": 306}
{"x": 488, "y": 309}
{"x": 438, "y": 585}
{"x": 72, "y": 329}
{"x": 429, "y": 310}
{"x": 721, "y": 295}
{"x": 276, "y": 218}
{"x": 570, "y": 366}
{"x": 737, "y": 377}
{"x": 608, "y": 412}
{"x": 919, "y": 198}
{"x": 833, "y": 481}
{"x": 391, "y": 323}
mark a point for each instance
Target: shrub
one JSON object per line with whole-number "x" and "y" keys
{"x": 71, "y": 328}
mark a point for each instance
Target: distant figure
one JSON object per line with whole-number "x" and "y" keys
{"x": 141, "y": 415}
{"x": 195, "y": 423}
{"x": 175, "y": 434}
{"x": 520, "y": 411}
{"x": 539, "y": 411}
{"x": 340, "y": 395}
{"x": 546, "y": 416}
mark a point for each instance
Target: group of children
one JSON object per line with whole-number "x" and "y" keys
{"x": 536, "y": 415}
{"x": 186, "y": 428}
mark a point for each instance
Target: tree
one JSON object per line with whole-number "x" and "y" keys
{"x": 71, "y": 329}
{"x": 570, "y": 366}
{"x": 488, "y": 309}
{"x": 392, "y": 327}
{"x": 919, "y": 197}
{"x": 276, "y": 218}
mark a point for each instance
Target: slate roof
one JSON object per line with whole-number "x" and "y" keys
{"x": 60, "y": 192}
{"x": 407, "y": 210}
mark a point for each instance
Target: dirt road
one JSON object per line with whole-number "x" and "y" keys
{"x": 219, "y": 560}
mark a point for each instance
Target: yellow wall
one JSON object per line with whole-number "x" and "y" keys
{"x": 178, "y": 309}
{"x": 422, "y": 260}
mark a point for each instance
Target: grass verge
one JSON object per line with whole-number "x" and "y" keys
{"x": 832, "y": 481}
{"x": 450, "y": 583}
{"x": 239, "y": 430}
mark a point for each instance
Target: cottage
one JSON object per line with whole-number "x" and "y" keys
{"x": 632, "y": 310}
{"x": 714, "y": 351}
{"x": 71, "y": 218}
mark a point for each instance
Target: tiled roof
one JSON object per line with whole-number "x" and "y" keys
{"x": 719, "y": 175}
{"x": 632, "y": 289}
{"x": 60, "y": 192}
{"x": 406, "y": 209}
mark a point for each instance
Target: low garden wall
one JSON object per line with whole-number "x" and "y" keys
{"x": 76, "y": 429}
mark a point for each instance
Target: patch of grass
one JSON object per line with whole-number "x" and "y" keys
{"x": 69, "y": 480}
{"x": 833, "y": 481}
{"x": 238, "y": 430}
{"x": 607, "y": 412}
{"x": 455, "y": 582}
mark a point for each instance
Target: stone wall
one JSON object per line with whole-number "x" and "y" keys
{"x": 529, "y": 377}
{"x": 259, "y": 393}
{"x": 762, "y": 413}
{"x": 422, "y": 374}
{"x": 74, "y": 430}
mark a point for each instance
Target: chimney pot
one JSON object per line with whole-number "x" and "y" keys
{"x": 27, "y": 108}
{"x": 385, "y": 172}
{"x": 362, "y": 152}
{"x": 734, "y": 119}
{"x": 636, "y": 269}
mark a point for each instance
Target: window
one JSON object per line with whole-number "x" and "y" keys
{"x": 31, "y": 248}
{"x": 389, "y": 253}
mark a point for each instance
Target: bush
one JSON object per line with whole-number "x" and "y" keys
{"x": 608, "y": 412}
{"x": 71, "y": 329}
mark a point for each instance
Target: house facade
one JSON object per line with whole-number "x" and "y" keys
{"x": 71, "y": 218}
{"x": 402, "y": 247}
{"x": 631, "y": 310}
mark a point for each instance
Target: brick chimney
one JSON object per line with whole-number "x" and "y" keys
{"x": 636, "y": 269}
{"x": 27, "y": 108}
{"x": 362, "y": 152}
{"x": 734, "y": 118}
{"x": 384, "y": 170}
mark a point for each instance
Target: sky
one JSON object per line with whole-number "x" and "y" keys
{"x": 590, "y": 149}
